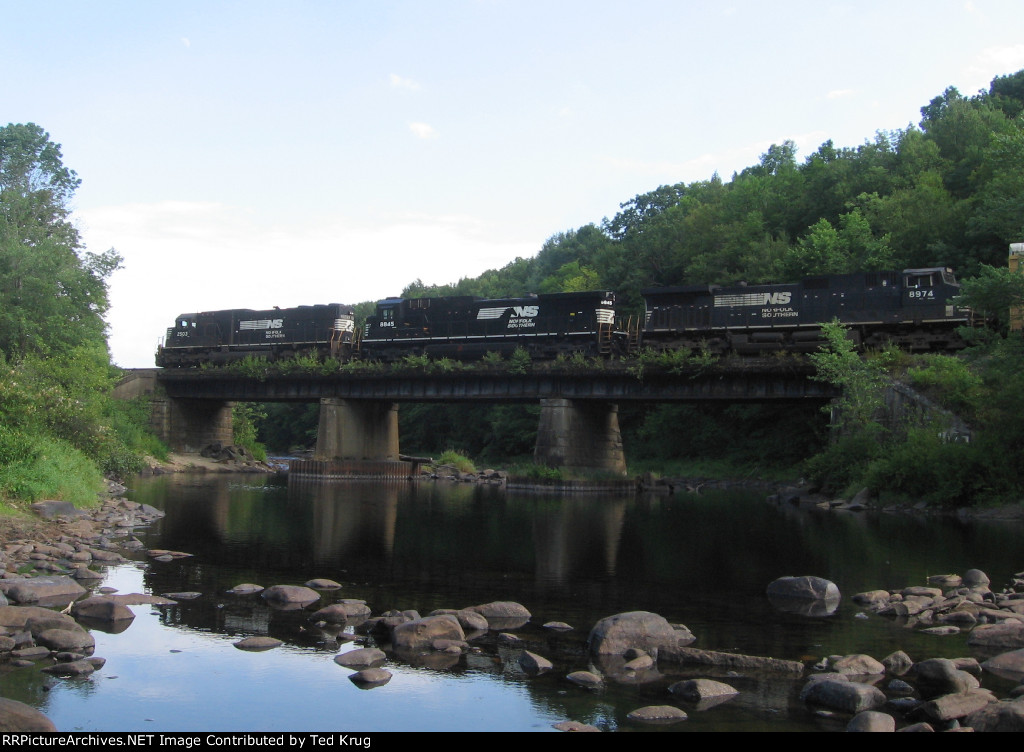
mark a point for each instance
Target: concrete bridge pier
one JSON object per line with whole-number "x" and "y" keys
{"x": 580, "y": 436}
{"x": 190, "y": 425}
{"x": 357, "y": 430}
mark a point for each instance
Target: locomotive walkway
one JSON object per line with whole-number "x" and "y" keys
{"x": 359, "y": 411}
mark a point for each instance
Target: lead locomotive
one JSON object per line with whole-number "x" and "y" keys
{"x": 914, "y": 309}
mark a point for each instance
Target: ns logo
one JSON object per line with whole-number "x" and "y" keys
{"x": 776, "y": 298}
{"x": 529, "y": 311}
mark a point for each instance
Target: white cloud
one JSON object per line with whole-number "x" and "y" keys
{"x": 839, "y": 93}
{"x": 992, "y": 62}
{"x": 186, "y": 41}
{"x": 398, "y": 82}
{"x": 181, "y": 257}
{"x": 422, "y": 130}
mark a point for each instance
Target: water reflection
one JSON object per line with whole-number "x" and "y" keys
{"x": 699, "y": 560}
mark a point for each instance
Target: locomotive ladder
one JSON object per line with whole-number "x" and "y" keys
{"x": 632, "y": 335}
{"x": 604, "y": 337}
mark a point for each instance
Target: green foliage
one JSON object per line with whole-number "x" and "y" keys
{"x": 677, "y": 362}
{"x": 492, "y": 359}
{"x": 34, "y": 466}
{"x": 843, "y": 462}
{"x": 534, "y": 471}
{"x": 948, "y": 380}
{"x": 519, "y": 362}
{"x": 244, "y": 417}
{"x": 287, "y": 425}
{"x": 862, "y": 380}
{"x": 993, "y": 293}
{"x": 925, "y": 467}
{"x": 739, "y": 436}
{"x": 459, "y": 461}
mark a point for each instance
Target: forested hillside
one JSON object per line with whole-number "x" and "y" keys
{"x": 948, "y": 191}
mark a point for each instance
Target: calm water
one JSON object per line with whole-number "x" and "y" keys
{"x": 700, "y": 560}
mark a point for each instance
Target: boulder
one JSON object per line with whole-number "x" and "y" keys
{"x": 370, "y": 678}
{"x": 1007, "y": 665}
{"x": 804, "y": 588}
{"x": 1007, "y": 635}
{"x": 50, "y": 590}
{"x": 872, "y": 720}
{"x": 587, "y": 679}
{"x": 72, "y": 668}
{"x": 661, "y": 714}
{"x": 732, "y": 661}
{"x": 361, "y": 658}
{"x": 574, "y": 726}
{"x": 17, "y": 717}
{"x": 940, "y": 676}
{"x": 643, "y": 630}
{"x": 947, "y": 707}
{"x": 1006, "y": 715}
{"x": 844, "y": 696}
{"x": 246, "y": 588}
{"x": 558, "y": 626}
{"x": 101, "y": 608}
{"x": 696, "y": 690}
{"x": 52, "y": 508}
{"x": 420, "y": 633}
{"x": 323, "y": 584}
{"x": 897, "y": 663}
{"x": 66, "y": 639}
{"x": 503, "y": 615}
{"x": 534, "y": 664}
{"x": 856, "y": 665}
{"x": 336, "y": 613}
{"x": 258, "y": 643}
{"x": 975, "y": 578}
{"x": 289, "y": 596}
{"x": 805, "y": 596}
{"x": 16, "y": 617}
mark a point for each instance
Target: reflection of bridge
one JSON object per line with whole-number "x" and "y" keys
{"x": 359, "y": 412}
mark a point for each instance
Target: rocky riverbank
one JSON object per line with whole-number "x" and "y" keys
{"x": 51, "y": 582}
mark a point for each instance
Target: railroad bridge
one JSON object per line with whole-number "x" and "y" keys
{"x": 578, "y": 428}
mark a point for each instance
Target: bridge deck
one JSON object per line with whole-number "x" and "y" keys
{"x": 745, "y": 380}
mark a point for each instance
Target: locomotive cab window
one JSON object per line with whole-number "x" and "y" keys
{"x": 919, "y": 281}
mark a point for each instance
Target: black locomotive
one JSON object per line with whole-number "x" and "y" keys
{"x": 545, "y": 325}
{"x": 222, "y": 336}
{"x": 914, "y": 309}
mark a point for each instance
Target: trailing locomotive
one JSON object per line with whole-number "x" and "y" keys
{"x": 914, "y": 309}
{"x": 222, "y": 336}
{"x": 545, "y": 325}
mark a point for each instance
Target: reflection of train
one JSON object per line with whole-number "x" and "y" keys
{"x": 913, "y": 309}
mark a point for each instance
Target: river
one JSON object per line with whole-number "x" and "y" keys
{"x": 701, "y": 560}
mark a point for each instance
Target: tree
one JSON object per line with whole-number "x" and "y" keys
{"x": 993, "y": 293}
{"x": 53, "y": 293}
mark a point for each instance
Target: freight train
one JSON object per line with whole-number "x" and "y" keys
{"x": 914, "y": 309}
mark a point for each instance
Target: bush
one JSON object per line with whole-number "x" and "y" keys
{"x": 926, "y": 468}
{"x": 949, "y": 381}
{"x": 460, "y": 462}
{"x": 46, "y": 468}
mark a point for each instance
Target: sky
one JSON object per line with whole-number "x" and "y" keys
{"x": 257, "y": 154}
